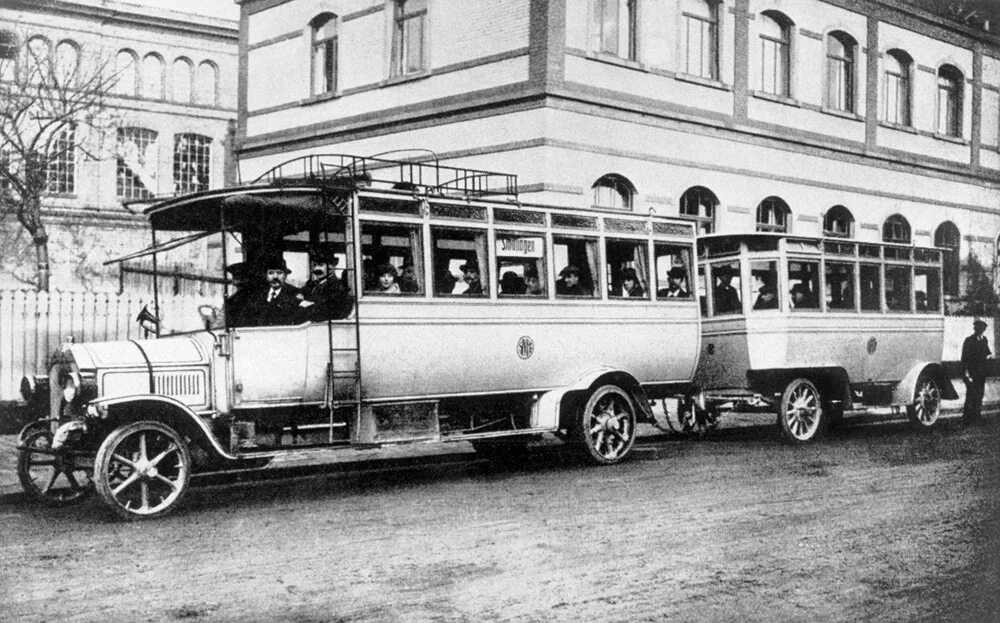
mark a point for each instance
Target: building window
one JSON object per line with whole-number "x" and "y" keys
{"x": 60, "y": 175}
{"x": 192, "y": 157}
{"x": 37, "y": 63}
{"x": 701, "y": 37}
{"x": 137, "y": 163}
{"x": 896, "y": 87}
{"x": 896, "y": 229}
{"x": 206, "y": 84}
{"x": 775, "y": 61}
{"x": 67, "y": 62}
{"x": 6, "y": 168}
{"x": 613, "y": 191}
{"x": 949, "y": 101}
{"x": 152, "y": 77}
{"x": 126, "y": 73}
{"x": 699, "y": 203}
{"x": 180, "y": 82}
{"x": 840, "y": 54}
{"x": 948, "y": 237}
{"x": 614, "y": 27}
{"x": 408, "y": 36}
{"x": 8, "y": 45}
{"x": 324, "y": 54}
{"x": 772, "y": 215}
{"x": 838, "y": 222}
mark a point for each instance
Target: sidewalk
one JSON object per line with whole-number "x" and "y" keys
{"x": 9, "y": 484}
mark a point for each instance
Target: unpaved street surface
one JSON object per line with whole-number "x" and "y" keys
{"x": 873, "y": 523}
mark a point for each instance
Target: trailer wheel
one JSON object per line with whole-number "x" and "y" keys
{"x": 800, "y": 412}
{"x": 605, "y": 427}
{"x": 142, "y": 470}
{"x": 926, "y": 406}
{"x": 53, "y": 478}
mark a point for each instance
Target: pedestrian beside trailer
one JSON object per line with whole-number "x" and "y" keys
{"x": 975, "y": 364}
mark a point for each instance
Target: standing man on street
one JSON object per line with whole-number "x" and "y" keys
{"x": 975, "y": 356}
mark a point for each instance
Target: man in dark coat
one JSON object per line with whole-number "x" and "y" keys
{"x": 324, "y": 296}
{"x": 975, "y": 356}
{"x": 727, "y": 299}
{"x": 278, "y": 303}
{"x": 238, "y": 306}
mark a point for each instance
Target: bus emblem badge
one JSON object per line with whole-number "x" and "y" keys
{"x": 525, "y": 347}
{"x": 872, "y": 345}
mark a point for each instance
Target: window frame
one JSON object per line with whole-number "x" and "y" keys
{"x": 780, "y": 53}
{"x": 841, "y": 72}
{"x": 838, "y": 214}
{"x": 949, "y": 101}
{"x": 403, "y": 21}
{"x": 330, "y": 45}
{"x": 900, "y": 84}
{"x": 896, "y": 229}
{"x": 708, "y": 30}
{"x": 619, "y": 186}
{"x": 204, "y": 145}
{"x": 774, "y": 205}
{"x": 60, "y": 170}
{"x": 705, "y": 223}
{"x": 124, "y": 183}
{"x": 948, "y": 237}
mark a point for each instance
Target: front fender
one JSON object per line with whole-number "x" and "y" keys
{"x": 905, "y": 390}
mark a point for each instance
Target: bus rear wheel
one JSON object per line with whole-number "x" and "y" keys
{"x": 926, "y": 406}
{"x": 800, "y": 412}
{"x": 605, "y": 427}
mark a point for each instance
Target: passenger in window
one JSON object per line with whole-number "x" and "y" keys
{"x": 324, "y": 296}
{"x": 511, "y": 283}
{"x": 387, "y": 280}
{"x": 408, "y": 281}
{"x": 278, "y": 303}
{"x": 727, "y": 299}
{"x": 568, "y": 283}
{"x": 631, "y": 288}
{"x": 802, "y": 298}
{"x": 470, "y": 274}
{"x": 676, "y": 289}
{"x": 532, "y": 284}
{"x": 444, "y": 281}
{"x": 767, "y": 297}
{"x": 237, "y": 307}
{"x": 921, "y": 300}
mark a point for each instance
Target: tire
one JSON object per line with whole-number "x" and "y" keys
{"x": 50, "y": 478}
{"x": 926, "y": 407}
{"x": 33, "y": 427}
{"x": 604, "y": 431}
{"x": 800, "y": 412}
{"x": 142, "y": 470}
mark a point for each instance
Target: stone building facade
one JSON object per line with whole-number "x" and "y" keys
{"x": 869, "y": 119}
{"x": 170, "y": 116}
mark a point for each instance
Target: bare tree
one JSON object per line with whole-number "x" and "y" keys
{"x": 53, "y": 109}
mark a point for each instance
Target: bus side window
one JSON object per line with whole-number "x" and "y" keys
{"x": 839, "y": 286}
{"x": 673, "y": 266}
{"x": 927, "y": 283}
{"x": 803, "y": 279}
{"x": 576, "y": 261}
{"x": 726, "y": 289}
{"x": 897, "y": 288}
{"x": 460, "y": 262}
{"x": 871, "y": 284}
{"x": 627, "y": 269}
{"x": 520, "y": 265}
{"x": 764, "y": 287}
{"x": 393, "y": 259}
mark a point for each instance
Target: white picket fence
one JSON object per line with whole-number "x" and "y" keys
{"x": 33, "y": 324}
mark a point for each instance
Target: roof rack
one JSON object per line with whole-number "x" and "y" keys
{"x": 428, "y": 177}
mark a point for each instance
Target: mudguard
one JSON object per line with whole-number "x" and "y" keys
{"x": 904, "y": 391}
{"x": 550, "y": 404}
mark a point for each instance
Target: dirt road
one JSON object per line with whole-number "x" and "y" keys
{"x": 874, "y": 523}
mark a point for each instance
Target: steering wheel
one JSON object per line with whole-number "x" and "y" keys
{"x": 211, "y": 315}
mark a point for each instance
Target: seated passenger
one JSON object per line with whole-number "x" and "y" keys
{"x": 511, "y": 283}
{"x": 802, "y": 298}
{"x": 921, "y": 300}
{"x": 237, "y": 306}
{"x": 676, "y": 289}
{"x": 631, "y": 287}
{"x": 324, "y": 296}
{"x": 277, "y": 303}
{"x": 470, "y": 274}
{"x": 726, "y": 298}
{"x": 532, "y": 284}
{"x": 386, "y": 280}
{"x": 767, "y": 297}
{"x": 568, "y": 283}
{"x": 408, "y": 281}
{"x": 444, "y": 281}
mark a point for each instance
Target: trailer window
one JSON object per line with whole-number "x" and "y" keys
{"x": 763, "y": 285}
{"x": 460, "y": 262}
{"x": 393, "y": 259}
{"x": 520, "y": 265}
{"x": 803, "y": 283}
{"x": 839, "y": 286}
{"x": 673, "y": 267}
{"x": 726, "y": 289}
{"x": 627, "y": 264}
{"x": 576, "y": 261}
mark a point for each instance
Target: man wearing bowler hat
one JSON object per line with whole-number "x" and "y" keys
{"x": 278, "y": 302}
{"x": 238, "y": 306}
{"x": 727, "y": 299}
{"x": 975, "y": 356}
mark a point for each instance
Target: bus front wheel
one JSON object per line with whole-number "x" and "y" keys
{"x": 800, "y": 412}
{"x": 605, "y": 426}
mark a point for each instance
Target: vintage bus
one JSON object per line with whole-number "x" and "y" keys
{"x": 811, "y": 327}
{"x": 454, "y": 313}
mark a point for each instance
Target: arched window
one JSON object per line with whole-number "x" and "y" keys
{"x": 67, "y": 61}
{"x": 9, "y": 49}
{"x": 180, "y": 81}
{"x": 838, "y": 221}
{"x": 614, "y": 27}
{"x": 775, "y": 53}
{"x": 949, "y": 101}
{"x": 896, "y": 87}
{"x": 37, "y": 65}
{"x": 948, "y": 237}
{"x": 138, "y": 162}
{"x": 699, "y": 203}
{"x": 896, "y": 229}
{"x": 701, "y": 38}
{"x": 192, "y": 160}
{"x": 60, "y": 175}
{"x": 152, "y": 77}
{"x": 841, "y": 50}
{"x": 207, "y": 84}
{"x": 613, "y": 191}
{"x": 324, "y": 53}
{"x": 126, "y": 73}
{"x": 408, "y": 36}
{"x": 773, "y": 215}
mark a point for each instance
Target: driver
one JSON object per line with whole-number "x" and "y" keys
{"x": 237, "y": 306}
